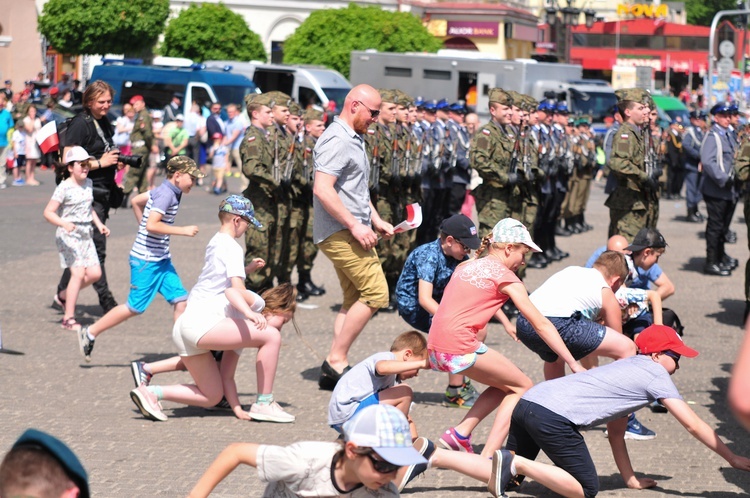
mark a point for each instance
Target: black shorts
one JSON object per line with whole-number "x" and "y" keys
{"x": 21, "y": 160}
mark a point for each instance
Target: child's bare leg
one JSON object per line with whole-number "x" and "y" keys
{"x": 208, "y": 388}
{"x": 554, "y": 369}
{"x": 590, "y": 361}
{"x": 472, "y": 465}
{"x": 93, "y": 274}
{"x": 399, "y": 396}
{"x": 219, "y": 175}
{"x": 167, "y": 365}
{"x": 77, "y": 274}
{"x": 483, "y": 406}
{"x": 551, "y": 477}
{"x": 615, "y": 345}
{"x": 232, "y": 333}
{"x": 179, "y": 309}
{"x": 494, "y": 369}
{"x": 114, "y": 317}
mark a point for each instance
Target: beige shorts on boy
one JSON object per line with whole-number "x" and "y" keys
{"x": 360, "y": 275}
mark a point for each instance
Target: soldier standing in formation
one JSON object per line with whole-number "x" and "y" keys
{"x": 579, "y": 184}
{"x": 460, "y": 166}
{"x": 314, "y": 126}
{"x": 631, "y": 200}
{"x": 141, "y": 140}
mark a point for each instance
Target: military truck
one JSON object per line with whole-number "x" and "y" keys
{"x": 462, "y": 75}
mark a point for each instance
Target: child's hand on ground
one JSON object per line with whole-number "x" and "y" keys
{"x": 740, "y": 462}
{"x": 241, "y": 414}
{"x": 255, "y": 265}
{"x": 190, "y": 231}
{"x": 258, "y": 319}
{"x": 69, "y": 226}
{"x": 640, "y": 482}
{"x": 104, "y": 230}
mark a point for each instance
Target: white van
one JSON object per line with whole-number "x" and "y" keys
{"x": 308, "y": 85}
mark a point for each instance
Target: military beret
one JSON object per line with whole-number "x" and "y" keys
{"x": 529, "y": 104}
{"x": 279, "y": 98}
{"x": 312, "y": 114}
{"x": 255, "y": 98}
{"x": 500, "y": 96}
{"x": 516, "y": 97}
{"x": 583, "y": 121}
{"x": 404, "y": 99}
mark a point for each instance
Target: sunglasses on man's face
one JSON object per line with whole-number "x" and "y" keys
{"x": 381, "y": 466}
{"x": 373, "y": 113}
{"x": 674, "y": 356}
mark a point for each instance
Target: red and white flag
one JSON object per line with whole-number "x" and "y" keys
{"x": 413, "y": 219}
{"x": 47, "y": 138}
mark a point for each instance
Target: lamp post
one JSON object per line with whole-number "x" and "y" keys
{"x": 560, "y": 19}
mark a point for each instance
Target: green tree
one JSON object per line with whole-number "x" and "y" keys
{"x": 129, "y": 27}
{"x": 328, "y": 36}
{"x": 211, "y": 31}
{"x": 701, "y": 12}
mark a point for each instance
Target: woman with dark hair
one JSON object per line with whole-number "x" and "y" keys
{"x": 92, "y": 130}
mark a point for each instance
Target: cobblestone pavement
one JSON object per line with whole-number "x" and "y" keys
{"x": 87, "y": 405}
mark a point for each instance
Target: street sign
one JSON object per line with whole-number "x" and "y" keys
{"x": 724, "y": 69}
{"x": 726, "y": 49}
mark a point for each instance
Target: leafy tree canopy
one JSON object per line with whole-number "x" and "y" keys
{"x": 211, "y": 32}
{"x": 329, "y": 35}
{"x": 127, "y": 27}
{"x": 701, "y": 12}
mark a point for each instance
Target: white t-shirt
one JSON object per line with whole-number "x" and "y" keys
{"x": 224, "y": 259}
{"x": 304, "y": 469}
{"x": 570, "y": 290}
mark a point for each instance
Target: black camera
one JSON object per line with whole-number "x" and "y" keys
{"x": 132, "y": 161}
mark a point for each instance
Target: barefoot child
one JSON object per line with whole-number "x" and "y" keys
{"x": 376, "y": 446}
{"x": 218, "y": 317}
{"x": 476, "y": 292}
{"x": 71, "y": 210}
{"x": 374, "y": 380}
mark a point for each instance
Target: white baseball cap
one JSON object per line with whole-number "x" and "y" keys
{"x": 512, "y": 231}
{"x": 383, "y": 428}
{"x": 77, "y": 153}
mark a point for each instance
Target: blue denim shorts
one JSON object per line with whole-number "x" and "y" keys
{"x": 372, "y": 399}
{"x": 580, "y": 335}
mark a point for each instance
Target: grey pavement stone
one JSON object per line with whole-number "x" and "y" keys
{"x": 88, "y": 406}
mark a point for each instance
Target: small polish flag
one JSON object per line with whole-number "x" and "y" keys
{"x": 47, "y": 138}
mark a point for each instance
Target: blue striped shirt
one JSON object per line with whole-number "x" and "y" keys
{"x": 164, "y": 199}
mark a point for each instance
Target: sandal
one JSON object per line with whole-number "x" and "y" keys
{"x": 70, "y": 324}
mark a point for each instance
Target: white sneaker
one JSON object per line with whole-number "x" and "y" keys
{"x": 147, "y": 404}
{"x": 270, "y": 413}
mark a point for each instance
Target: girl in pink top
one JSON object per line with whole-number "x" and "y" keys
{"x": 476, "y": 292}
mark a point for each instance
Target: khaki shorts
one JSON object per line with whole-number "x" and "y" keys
{"x": 359, "y": 271}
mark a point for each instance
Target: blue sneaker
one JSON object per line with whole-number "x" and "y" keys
{"x": 638, "y": 431}
{"x": 426, "y": 448}
{"x": 501, "y": 474}
{"x": 19, "y": 183}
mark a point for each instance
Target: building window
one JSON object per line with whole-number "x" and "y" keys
{"x": 431, "y": 74}
{"x": 402, "y": 72}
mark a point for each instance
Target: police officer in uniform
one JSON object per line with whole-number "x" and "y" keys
{"x": 141, "y": 140}
{"x": 719, "y": 190}
{"x": 636, "y": 188}
{"x": 459, "y": 159}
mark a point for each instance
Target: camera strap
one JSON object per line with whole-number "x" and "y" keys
{"x": 108, "y": 145}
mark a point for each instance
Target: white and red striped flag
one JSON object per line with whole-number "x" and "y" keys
{"x": 47, "y": 138}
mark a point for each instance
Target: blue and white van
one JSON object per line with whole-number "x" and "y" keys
{"x": 157, "y": 84}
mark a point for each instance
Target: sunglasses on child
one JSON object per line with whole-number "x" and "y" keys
{"x": 674, "y": 356}
{"x": 381, "y": 466}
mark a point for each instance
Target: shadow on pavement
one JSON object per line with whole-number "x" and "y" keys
{"x": 731, "y": 313}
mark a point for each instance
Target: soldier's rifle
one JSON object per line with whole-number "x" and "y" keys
{"x": 276, "y": 170}
{"x": 395, "y": 172}
{"x": 375, "y": 164}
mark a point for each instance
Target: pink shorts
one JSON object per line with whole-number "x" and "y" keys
{"x": 454, "y": 363}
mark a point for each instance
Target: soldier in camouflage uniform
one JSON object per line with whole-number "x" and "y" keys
{"x": 742, "y": 175}
{"x": 141, "y": 140}
{"x": 386, "y": 190}
{"x": 491, "y": 151}
{"x": 655, "y": 152}
{"x": 313, "y": 129}
{"x": 630, "y": 202}
{"x": 292, "y": 193}
{"x": 408, "y": 151}
{"x": 260, "y": 167}
{"x": 579, "y": 186}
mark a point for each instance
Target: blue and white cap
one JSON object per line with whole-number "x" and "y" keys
{"x": 442, "y": 105}
{"x": 236, "y": 204}
{"x": 383, "y": 428}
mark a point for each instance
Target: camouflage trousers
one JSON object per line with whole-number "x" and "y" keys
{"x": 392, "y": 253}
{"x": 293, "y": 233}
{"x": 579, "y": 188}
{"x": 266, "y": 242}
{"x": 136, "y": 177}
{"x": 307, "y": 250}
